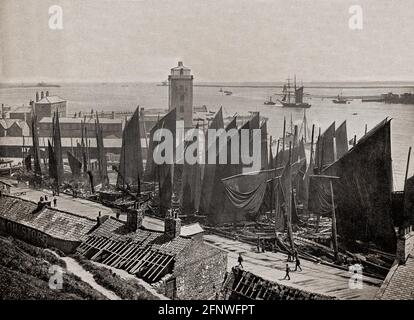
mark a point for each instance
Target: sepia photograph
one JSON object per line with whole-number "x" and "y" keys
{"x": 223, "y": 151}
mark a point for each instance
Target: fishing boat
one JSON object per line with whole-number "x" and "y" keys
{"x": 293, "y": 96}
{"x": 340, "y": 100}
{"x": 269, "y": 102}
{"x": 228, "y": 93}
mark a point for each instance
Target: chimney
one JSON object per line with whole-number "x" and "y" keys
{"x": 37, "y": 96}
{"x": 180, "y": 63}
{"x": 47, "y": 93}
{"x": 405, "y": 243}
{"x": 134, "y": 219}
{"x": 172, "y": 223}
{"x": 42, "y": 95}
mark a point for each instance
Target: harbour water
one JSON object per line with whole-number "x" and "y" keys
{"x": 126, "y": 96}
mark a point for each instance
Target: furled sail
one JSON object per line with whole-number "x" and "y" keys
{"x": 103, "y": 170}
{"x": 363, "y": 192}
{"x": 263, "y": 149}
{"x": 299, "y": 95}
{"x": 57, "y": 146}
{"x": 35, "y": 148}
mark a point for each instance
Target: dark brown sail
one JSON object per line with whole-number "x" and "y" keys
{"x": 162, "y": 174}
{"x": 325, "y": 147}
{"x": 363, "y": 192}
{"x": 263, "y": 148}
{"x": 210, "y": 169}
{"x": 53, "y": 169}
{"x": 75, "y": 165}
{"x": 341, "y": 140}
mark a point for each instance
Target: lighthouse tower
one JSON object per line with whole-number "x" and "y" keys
{"x": 180, "y": 93}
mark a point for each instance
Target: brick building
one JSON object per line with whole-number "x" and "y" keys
{"x": 47, "y": 105}
{"x": 176, "y": 262}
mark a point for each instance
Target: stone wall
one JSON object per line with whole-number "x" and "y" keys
{"x": 199, "y": 271}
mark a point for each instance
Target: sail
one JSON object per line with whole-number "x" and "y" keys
{"x": 53, "y": 169}
{"x": 57, "y": 146}
{"x": 363, "y": 192}
{"x": 75, "y": 165}
{"x": 208, "y": 183}
{"x": 245, "y": 193}
{"x": 341, "y": 140}
{"x": 130, "y": 164}
{"x": 263, "y": 149}
{"x": 299, "y": 95}
{"x": 103, "y": 167}
{"x": 162, "y": 174}
{"x": 409, "y": 201}
{"x": 36, "y": 150}
{"x": 325, "y": 147}
{"x": 252, "y": 124}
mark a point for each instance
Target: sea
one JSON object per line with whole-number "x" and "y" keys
{"x": 127, "y": 96}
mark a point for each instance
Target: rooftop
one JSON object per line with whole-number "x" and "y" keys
{"x": 50, "y": 99}
{"x": 56, "y": 223}
{"x": 79, "y": 120}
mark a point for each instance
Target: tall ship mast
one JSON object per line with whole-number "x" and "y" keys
{"x": 293, "y": 96}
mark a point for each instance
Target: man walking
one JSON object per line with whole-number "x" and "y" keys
{"x": 297, "y": 265}
{"x": 287, "y": 276}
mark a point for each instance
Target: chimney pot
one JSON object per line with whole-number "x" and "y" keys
{"x": 134, "y": 219}
{"x": 180, "y": 63}
{"x": 42, "y": 95}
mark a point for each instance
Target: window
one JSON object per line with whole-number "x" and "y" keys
{"x": 182, "y": 97}
{"x": 181, "y": 109}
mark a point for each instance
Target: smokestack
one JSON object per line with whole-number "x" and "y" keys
{"x": 47, "y": 93}
{"x": 37, "y": 96}
{"x": 134, "y": 219}
{"x": 42, "y": 95}
{"x": 172, "y": 224}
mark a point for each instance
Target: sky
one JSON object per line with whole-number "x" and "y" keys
{"x": 220, "y": 40}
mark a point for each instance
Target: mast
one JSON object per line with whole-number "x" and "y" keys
{"x": 284, "y": 136}
{"x": 334, "y": 231}
{"x": 288, "y": 200}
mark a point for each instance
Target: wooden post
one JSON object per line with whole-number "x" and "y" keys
{"x": 277, "y": 154}
{"x": 284, "y": 137}
{"x": 334, "y": 232}
{"x": 354, "y": 140}
{"x": 366, "y": 128}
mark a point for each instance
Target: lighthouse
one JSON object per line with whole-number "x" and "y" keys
{"x": 180, "y": 93}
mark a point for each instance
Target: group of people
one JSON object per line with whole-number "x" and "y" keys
{"x": 292, "y": 257}
{"x": 46, "y": 199}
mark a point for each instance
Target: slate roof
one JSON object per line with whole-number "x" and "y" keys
{"x": 116, "y": 230}
{"x": 56, "y": 223}
{"x": 399, "y": 284}
{"x": 50, "y": 99}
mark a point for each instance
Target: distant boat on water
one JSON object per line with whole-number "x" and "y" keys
{"x": 293, "y": 96}
{"x": 341, "y": 100}
{"x": 269, "y": 102}
{"x": 163, "y": 84}
{"x": 228, "y": 93}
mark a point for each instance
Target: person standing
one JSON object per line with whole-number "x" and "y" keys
{"x": 240, "y": 260}
{"x": 287, "y": 276}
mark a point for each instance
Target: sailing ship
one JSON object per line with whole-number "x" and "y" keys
{"x": 293, "y": 96}
{"x": 269, "y": 102}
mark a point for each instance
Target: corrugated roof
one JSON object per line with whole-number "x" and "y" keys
{"x": 58, "y": 224}
{"x": 50, "y": 99}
